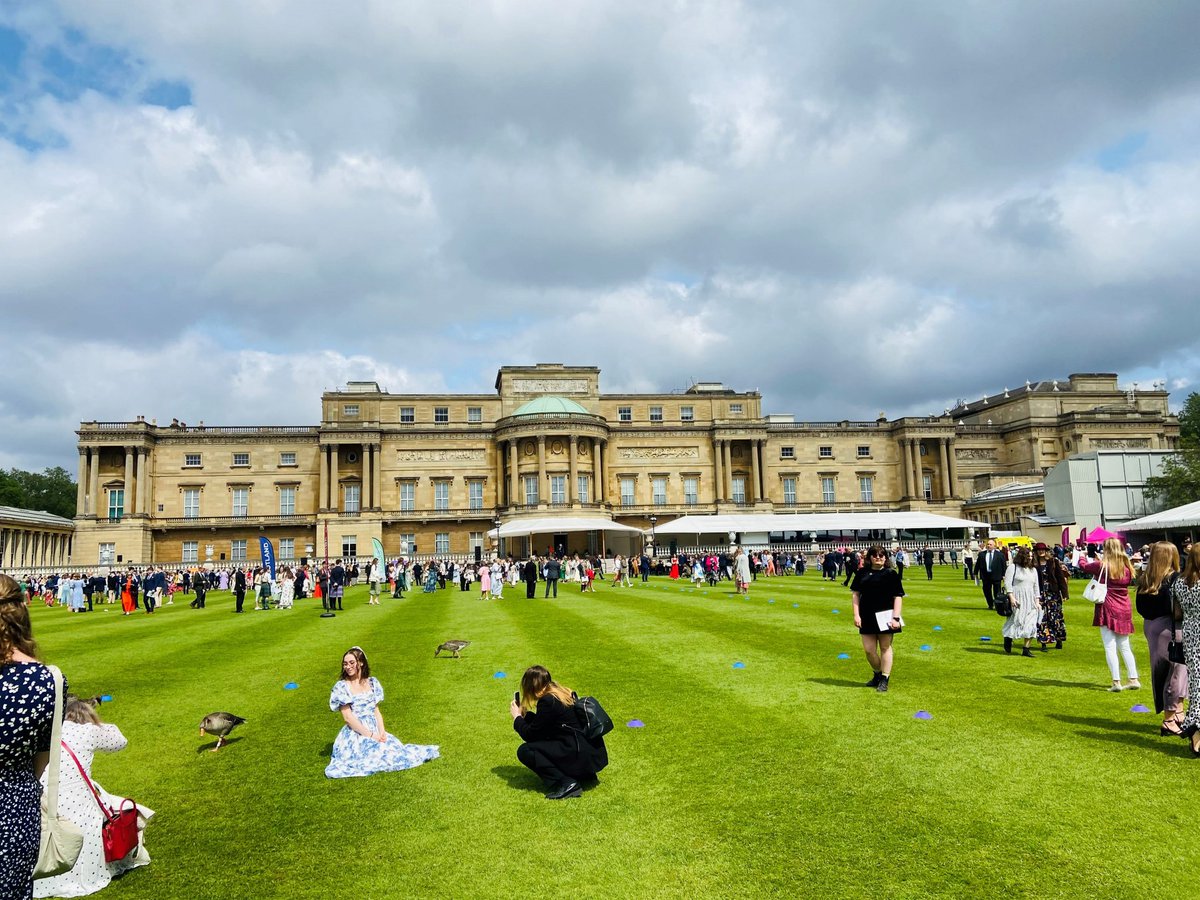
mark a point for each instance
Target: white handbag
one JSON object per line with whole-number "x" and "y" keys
{"x": 1097, "y": 588}
{"x": 61, "y": 838}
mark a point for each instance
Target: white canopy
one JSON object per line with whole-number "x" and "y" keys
{"x": 559, "y": 525}
{"x": 767, "y": 522}
{"x": 1186, "y": 516}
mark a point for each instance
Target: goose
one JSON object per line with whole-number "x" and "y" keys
{"x": 219, "y": 724}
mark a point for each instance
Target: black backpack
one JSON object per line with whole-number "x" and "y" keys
{"x": 594, "y": 720}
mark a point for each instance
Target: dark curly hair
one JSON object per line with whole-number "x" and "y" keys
{"x": 16, "y": 631}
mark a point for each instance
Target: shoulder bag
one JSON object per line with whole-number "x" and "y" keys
{"x": 120, "y": 828}
{"x": 61, "y": 838}
{"x": 1097, "y": 589}
{"x": 1003, "y": 599}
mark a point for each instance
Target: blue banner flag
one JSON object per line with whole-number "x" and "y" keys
{"x": 268, "y": 556}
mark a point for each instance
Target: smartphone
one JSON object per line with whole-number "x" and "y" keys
{"x": 517, "y": 697}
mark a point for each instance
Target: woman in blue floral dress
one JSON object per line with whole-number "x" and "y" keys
{"x": 26, "y": 718}
{"x": 363, "y": 746}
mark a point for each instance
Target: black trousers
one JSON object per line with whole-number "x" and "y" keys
{"x": 551, "y": 585}
{"x": 239, "y": 594}
{"x": 929, "y": 570}
{"x": 546, "y": 760}
{"x": 989, "y": 591}
{"x": 531, "y": 589}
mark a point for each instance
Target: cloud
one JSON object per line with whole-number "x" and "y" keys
{"x": 849, "y": 207}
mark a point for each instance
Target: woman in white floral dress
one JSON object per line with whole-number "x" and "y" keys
{"x": 1022, "y": 582}
{"x": 363, "y": 746}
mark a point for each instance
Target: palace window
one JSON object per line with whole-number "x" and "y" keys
{"x": 408, "y": 415}
{"x": 739, "y": 488}
{"x": 352, "y": 498}
{"x": 191, "y": 460}
{"x": 687, "y": 414}
{"x": 237, "y": 549}
{"x": 441, "y": 414}
{"x": 441, "y": 543}
{"x": 241, "y": 501}
{"x": 927, "y": 486}
{"x": 287, "y": 501}
{"x": 191, "y": 503}
{"x": 558, "y": 488}
{"x": 474, "y": 414}
{"x": 191, "y": 552}
{"x": 441, "y": 495}
{"x": 691, "y": 490}
{"x": 625, "y": 413}
{"x": 825, "y": 452}
{"x": 475, "y": 541}
{"x": 658, "y": 489}
{"x": 656, "y": 414}
{"x": 287, "y": 548}
{"x": 350, "y": 410}
{"x": 408, "y": 543}
{"x": 828, "y": 495}
{"x": 408, "y": 495}
{"x": 475, "y": 494}
{"x": 866, "y": 489}
{"x": 531, "y": 490}
{"x": 864, "y": 450}
{"x": 287, "y": 458}
{"x": 241, "y": 459}
{"x": 735, "y": 409}
{"x": 349, "y": 546}
{"x": 787, "y": 452}
{"x": 108, "y": 554}
{"x": 789, "y": 491}
{"x": 583, "y": 484}
{"x": 627, "y": 483}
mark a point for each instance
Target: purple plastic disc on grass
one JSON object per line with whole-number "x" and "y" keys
{"x": 1139, "y": 708}
{"x": 922, "y": 715}
{"x": 635, "y": 723}
{"x": 499, "y": 675}
{"x": 739, "y": 665}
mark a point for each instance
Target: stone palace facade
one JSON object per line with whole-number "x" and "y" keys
{"x": 432, "y": 474}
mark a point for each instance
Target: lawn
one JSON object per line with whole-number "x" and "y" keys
{"x": 783, "y": 777}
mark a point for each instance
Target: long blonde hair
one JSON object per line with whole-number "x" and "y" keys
{"x": 1115, "y": 560}
{"x": 1164, "y": 559}
{"x": 536, "y": 682}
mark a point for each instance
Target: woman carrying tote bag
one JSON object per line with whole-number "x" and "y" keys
{"x": 1114, "y": 617}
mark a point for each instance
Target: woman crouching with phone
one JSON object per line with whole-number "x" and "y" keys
{"x": 554, "y": 747}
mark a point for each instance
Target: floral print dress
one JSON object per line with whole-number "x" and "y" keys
{"x": 1053, "y": 627}
{"x": 354, "y": 754}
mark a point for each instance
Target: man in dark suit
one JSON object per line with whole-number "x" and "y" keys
{"x": 529, "y": 574}
{"x": 553, "y": 573}
{"x": 337, "y": 584}
{"x": 927, "y": 559}
{"x": 990, "y": 566}
{"x": 239, "y": 587}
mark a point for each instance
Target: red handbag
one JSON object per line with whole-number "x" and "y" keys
{"x": 120, "y": 828}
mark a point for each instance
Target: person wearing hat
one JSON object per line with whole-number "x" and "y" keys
{"x": 1053, "y": 586}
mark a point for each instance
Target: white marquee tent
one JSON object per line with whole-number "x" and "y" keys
{"x": 1187, "y": 516}
{"x": 809, "y": 522}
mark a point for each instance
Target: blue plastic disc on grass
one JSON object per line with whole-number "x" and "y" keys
{"x": 985, "y": 638}
{"x": 837, "y": 612}
{"x": 1139, "y": 708}
{"x": 770, "y": 601}
{"x": 739, "y": 665}
{"x": 843, "y": 656}
{"x": 926, "y": 647}
{"x": 795, "y": 606}
{"x": 290, "y": 686}
{"x": 937, "y": 627}
{"x": 922, "y": 715}
{"x": 106, "y": 698}
{"x": 635, "y": 723}
{"x": 499, "y": 675}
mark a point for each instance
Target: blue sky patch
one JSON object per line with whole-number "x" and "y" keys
{"x": 1119, "y": 156}
{"x": 12, "y": 49}
{"x": 169, "y": 94}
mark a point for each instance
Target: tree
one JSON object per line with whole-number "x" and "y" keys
{"x": 51, "y": 491}
{"x": 1179, "y": 482}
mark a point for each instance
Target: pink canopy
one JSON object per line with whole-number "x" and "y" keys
{"x": 1098, "y": 536}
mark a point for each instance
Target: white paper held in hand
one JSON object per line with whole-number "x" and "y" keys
{"x": 883, "y": 619}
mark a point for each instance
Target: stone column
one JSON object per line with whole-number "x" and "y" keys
{"x": 128, "y": 508}
{"x": 754, "y": 471}
{"x": 943, "y": 446}
{"x": 906, "y": 444}
{"x": 513, "y": 488}
{"x": 718, "y": 479}
{"x": 727, "y": 486}
{"x": 81, "y": 484}
{"x": 377, "y": 484}
{"x": 364, "y": 476}
{"x": 596, "y": 469}
{"x": 143, "y": 480}
{"x": 323, "y": 496}
{"x": 572, "y": 492}
{"x": 543, "y": 490}
{"x": 953, "y": 467}
{"x": 499, "y": 473}
{"x": 1035, "y": 456}
{"x": 94, "y": 484}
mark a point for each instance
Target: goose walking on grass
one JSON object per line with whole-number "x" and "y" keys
{"x": 219, "y": 724}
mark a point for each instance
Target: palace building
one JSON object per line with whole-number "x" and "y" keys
{"x": 433, "y": 474}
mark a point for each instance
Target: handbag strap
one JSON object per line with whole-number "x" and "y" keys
{"x": 52, "y": 772}
{"x": 108, "y": 813}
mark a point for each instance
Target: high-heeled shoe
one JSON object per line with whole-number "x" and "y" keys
{"x": 1165, "y": 731}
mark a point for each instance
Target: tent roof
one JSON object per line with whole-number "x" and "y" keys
{"x": 560, "y": 525}
{"x": 811, "y": 522}
{"x": 1186, "y": 516}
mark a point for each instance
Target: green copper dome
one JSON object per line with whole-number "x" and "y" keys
{"x": 550, "y": 404}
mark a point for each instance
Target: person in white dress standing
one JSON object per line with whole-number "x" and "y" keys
{"x": 287, "y": 589}
{"x": 84, "y": 733}
{"x": 1022, "y": 582}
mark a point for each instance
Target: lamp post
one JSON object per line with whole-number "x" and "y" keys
{"x": 496, "y": 546}
{"x": 653, "y": 543}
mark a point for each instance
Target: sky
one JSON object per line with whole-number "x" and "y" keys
{"x": 215, "y": 211}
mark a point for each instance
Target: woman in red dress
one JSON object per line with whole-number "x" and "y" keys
{"x": 127, "y": 596}
{"x": 675, "y": 567}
